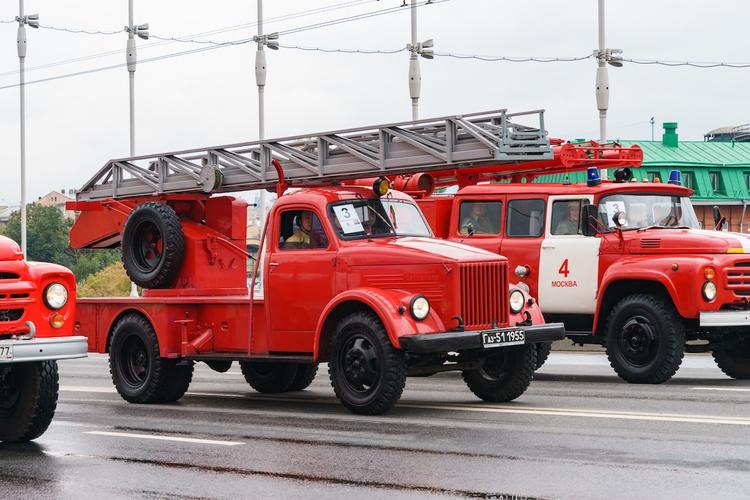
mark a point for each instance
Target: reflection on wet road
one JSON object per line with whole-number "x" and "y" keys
{"x": 579, "y": 432}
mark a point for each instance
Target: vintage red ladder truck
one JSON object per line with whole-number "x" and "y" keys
{"x": 622, "y": 264}
{"x": 37, "y": 307}
{"x": 348, "y": 275}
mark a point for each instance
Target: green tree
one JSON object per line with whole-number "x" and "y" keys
{"x": 112, "y": 281}
{"x": 48, "y": 241}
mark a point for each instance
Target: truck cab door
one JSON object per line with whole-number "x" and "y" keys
{"x": 300, "y": 278}
{"x": 523, "y": 233}
{"x": 478, "y": 223}
{"x": 569, "y": 261}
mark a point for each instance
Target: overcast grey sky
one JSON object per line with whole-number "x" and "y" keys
{"x": 74, "y": 125}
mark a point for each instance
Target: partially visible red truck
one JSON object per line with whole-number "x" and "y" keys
{"x": 622, "y": 264}
{"x": 37, "y": 308}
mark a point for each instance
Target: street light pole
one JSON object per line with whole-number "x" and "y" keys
{"x": 260, "y": 81}
{"x": 33, "y": 21}
{"x": 131, "y": 57}
{"x": 271, "y": 42}
{"x": 416, "y": 49}
{"x": 415, "y": 76}
{"x": 604, "y": 56}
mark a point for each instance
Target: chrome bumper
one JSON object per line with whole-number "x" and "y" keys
{"x": 44, "y": 349}
{"x": 725, "y": 318}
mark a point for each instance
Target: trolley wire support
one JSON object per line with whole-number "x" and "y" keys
{"x": 475, "y": 139}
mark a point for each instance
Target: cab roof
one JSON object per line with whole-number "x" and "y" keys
{"x": 330, "y": 194}
{"x": 606, "y": 187}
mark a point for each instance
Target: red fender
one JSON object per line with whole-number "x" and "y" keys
{"x": 386, "y": 304}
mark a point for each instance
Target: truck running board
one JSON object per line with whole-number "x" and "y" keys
{"x": 492, "y": 137}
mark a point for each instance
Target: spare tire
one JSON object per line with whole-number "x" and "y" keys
{"x": 153, "y": 245}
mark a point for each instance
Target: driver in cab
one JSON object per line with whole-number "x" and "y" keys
{"x": 301, "y": 236}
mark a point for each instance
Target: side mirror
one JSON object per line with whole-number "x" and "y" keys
{"x": 589, "y": 220}
{"x": 470, "y": 229}
{"x": 719, "y": 220}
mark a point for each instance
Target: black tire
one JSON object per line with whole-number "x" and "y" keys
{"x": 140, "y": 375}
{"x": 153, "y": 245}
{"x": 269, "y": 377}
{"x": 645, "y": 339}
{"x": 543, "y": 350}
{"x": 734, "y": 361}
{"x": 503, "y": 376}
{"x": 367, "y": 373}
{"x": 304, "y": 377}
{"x": 28, "y": 399}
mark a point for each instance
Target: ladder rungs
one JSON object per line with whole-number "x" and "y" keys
{"x": 392, "y": 149}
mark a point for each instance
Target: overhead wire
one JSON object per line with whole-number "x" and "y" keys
{"x": 217, "y": 46}
{"x": 168, "y": 40}
{"x": 80, "y": 31}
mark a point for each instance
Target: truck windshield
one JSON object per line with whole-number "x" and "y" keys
{"x": 377, "y": 218}
{"x": 648, "y": 210}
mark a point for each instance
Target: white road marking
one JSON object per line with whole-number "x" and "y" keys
{"x": 486, "y": 408}
{"x": 728, "y": 389}
{"x": 157, "y": 437}
{"x": 555, "y": 412}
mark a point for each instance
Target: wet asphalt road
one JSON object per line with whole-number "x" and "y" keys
{"x": 578, "y": 432}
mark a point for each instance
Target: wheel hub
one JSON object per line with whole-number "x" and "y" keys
{"x": 360, "y": 364}
{"x": 638, "y": 340}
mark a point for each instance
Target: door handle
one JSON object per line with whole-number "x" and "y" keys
{"x": 273, "y": 264}
{"x": 548, "y": 247}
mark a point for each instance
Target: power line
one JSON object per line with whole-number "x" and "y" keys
{"x": 80, "y": 31}
{"x": 513, "y": 59}
{"x": 344, "y": 51}
{"x": 276, "y": 19}
{"x": 688, "y": 63}
{"x": 9, "y": 21}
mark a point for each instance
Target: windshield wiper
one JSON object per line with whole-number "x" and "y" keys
{"x": 655, "y": 226}
{"x": 387, "y": 222}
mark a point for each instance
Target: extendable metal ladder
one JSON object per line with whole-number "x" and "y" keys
{"x": 493, "y": 137}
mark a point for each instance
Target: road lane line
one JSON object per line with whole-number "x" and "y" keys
{"x": 488, "y": 408}
{"x": 157, "y": 437}
{"x": 728, "y": 389}
{"x": 589, "y": 414}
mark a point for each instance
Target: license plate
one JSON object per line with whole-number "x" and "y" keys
{"x": 6, "y": 352}
{"x": 503, "y": 338}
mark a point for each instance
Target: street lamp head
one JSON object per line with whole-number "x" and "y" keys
{"x": 33, "y": 20}
{"x": 273, "y": 45}
{"x": 428, "y": 43}
{"x": 141, "y": 31}
{"x": 615, "y": 61}
{"x": 427, "y": 54}
{"x": 273, "y": 36}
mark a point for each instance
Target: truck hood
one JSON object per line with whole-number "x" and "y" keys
{"x": 413, "y": 250}
{"x": 686, "y": 241}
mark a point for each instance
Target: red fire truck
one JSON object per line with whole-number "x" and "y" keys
{"x": 37, "y": 305}
{"x": 622, "y": 264}
{"x": 348, "y": 275}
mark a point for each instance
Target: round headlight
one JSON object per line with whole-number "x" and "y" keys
{"x": 517, "y": 301}
{"x": 709, "y": 290}
{"x": 419, "y": 307}
{"x": 55, "y": 295}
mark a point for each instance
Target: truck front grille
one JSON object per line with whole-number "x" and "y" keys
{"x": 484, "y": 294}
{"x": 738, "y": 278}
{"x": 7, "y": 315}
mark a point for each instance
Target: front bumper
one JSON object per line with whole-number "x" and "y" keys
{"x": 724, "y": 318}
{"x": 464, "y": 341}
{"x": 45, "y": 349}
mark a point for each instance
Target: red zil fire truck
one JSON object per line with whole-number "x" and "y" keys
{"x": 622, "y": 264}
{"x": 348, "y": 275}
{"x": 37, "y": 305}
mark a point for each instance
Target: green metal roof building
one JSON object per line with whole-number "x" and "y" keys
{"x": 718, "y": 172}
